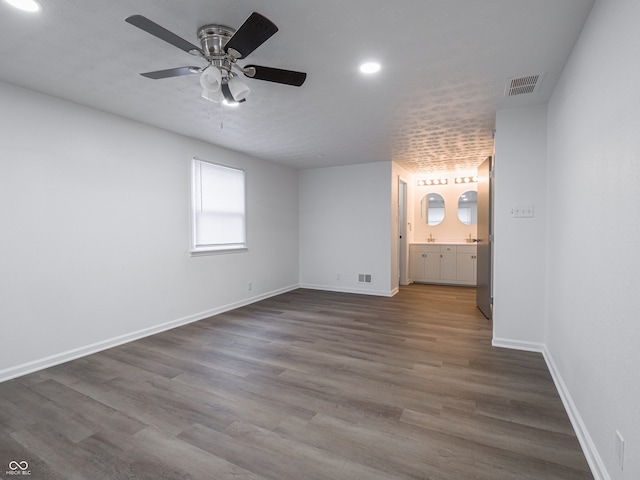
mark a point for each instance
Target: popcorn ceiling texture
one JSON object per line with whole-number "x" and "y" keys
{"x": 431, "y": 108}
{"x": 441, "y": 132}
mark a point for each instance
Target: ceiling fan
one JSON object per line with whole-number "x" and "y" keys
{"x": 221, "y": 47}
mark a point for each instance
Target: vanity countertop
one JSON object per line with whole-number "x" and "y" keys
{"x": 443, "y": 243}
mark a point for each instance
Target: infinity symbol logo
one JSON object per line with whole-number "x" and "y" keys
{"x": 23, "y": 465}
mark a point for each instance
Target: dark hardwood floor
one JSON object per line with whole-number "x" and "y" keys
{"x": 306, "y": 385}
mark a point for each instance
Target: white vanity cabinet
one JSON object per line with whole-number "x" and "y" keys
{"x": 442, "y": 263}
{"x": 424, "y": 262}
{"x": 466, "y": 260}
{"x": 448, "y": 263}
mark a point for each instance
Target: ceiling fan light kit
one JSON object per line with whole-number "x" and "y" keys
{"x": 221, "y": 47}
{"x": 239, "y": 91}
{"x": 215, "y": 96}
{"x": 211, "y": 79}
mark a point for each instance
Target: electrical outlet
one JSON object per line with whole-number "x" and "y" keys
{"x": 620, "y": 450}
{"x": 337, "y": 276}
{"x": 250, "y": 286}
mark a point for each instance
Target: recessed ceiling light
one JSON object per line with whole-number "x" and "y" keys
{"x": 25, "y": 5}
{"x": 370, "y": 67}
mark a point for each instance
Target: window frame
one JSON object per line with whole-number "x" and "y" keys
{"x": 212, "y": 249}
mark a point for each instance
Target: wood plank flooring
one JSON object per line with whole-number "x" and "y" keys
{"x": 305, "y": 385}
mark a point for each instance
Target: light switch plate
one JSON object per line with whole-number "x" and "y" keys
{"x": 522, "y": 211}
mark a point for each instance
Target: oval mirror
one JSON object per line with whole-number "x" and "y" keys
{"x": 432, "y": 209}
{"x": 468, "y": 208}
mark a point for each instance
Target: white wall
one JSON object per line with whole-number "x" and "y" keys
{"x": 593, "y": 328}
{"x": 94, "y": 248}
{"x": 345, "y": 230}
{"x": 520, "y": 243}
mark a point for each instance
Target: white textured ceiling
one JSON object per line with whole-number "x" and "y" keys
{"x": 431, "y": 108}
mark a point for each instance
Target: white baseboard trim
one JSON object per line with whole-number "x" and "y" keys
{"x": 517, "y": 345}
{"x": 594, "y": 460}
{"x": 333, "y": 288}
{"x": 586, "y": 443}
{"x": 63, "y": 357}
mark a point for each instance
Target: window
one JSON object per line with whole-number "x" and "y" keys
{"x": 218, "y": 207}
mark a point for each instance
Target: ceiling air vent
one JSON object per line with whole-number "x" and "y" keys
{"x": 522, "y": 85}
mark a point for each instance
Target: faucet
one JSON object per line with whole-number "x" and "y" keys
{"x": 431, "y": 239}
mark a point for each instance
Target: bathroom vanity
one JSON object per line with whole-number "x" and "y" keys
{"x": 443, "y": 263}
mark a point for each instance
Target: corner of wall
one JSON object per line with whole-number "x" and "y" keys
{"x": 586, "y": 442}
{"x": 520, "y": 243}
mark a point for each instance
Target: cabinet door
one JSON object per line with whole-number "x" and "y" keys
{"x": 416, "y": 264}
{"x": 448, "y": 266}
{"x": 432, "y": 267}
{"x": 466, "y": 268}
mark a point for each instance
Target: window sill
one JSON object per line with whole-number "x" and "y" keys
{"x": 217, "y": 251}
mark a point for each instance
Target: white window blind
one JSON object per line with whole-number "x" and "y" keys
{"x": 218, "y": 207}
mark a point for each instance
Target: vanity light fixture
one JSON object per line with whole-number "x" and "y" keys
{"x": 31, "y": 6}
{"x": 436, "y": 181}
{"x": 466, "y": 179}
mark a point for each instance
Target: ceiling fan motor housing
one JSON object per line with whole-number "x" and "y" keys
{"x": 213, "y": 38}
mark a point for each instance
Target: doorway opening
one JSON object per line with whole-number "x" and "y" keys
{"x": 403, "y": 274}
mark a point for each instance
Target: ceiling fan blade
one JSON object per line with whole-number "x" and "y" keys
{"x": 162, "y": 33}
{"x": 256, "y": 30}
{"x": 277, "y": 75}
{"x": 171, "y": 72}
